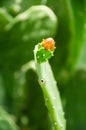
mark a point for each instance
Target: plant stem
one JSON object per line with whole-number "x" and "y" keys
{"x": 51, "y": 93}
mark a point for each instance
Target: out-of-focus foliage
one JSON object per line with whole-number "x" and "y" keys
{"x": 21, "y": 33}
{"x": 6, "y": 122}
{"x": 24, "y": 23}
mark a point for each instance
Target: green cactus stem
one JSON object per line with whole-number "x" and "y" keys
{"x": 50, "y": 90}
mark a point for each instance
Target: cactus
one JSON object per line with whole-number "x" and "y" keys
{"x": 49, "y": 88}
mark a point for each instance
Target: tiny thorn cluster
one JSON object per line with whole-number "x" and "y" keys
{"x": 45, "y": 50}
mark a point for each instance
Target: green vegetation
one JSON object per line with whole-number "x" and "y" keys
{"x": 48, "y": 85}
{"x": 23, "y": 24}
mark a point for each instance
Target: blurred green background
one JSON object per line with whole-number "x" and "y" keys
{"x": 24, "y": 23}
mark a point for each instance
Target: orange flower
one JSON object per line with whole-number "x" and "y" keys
{"x": 49, "y": 43}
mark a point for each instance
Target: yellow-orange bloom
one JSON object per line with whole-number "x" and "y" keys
{"x": 48, "y": 44}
